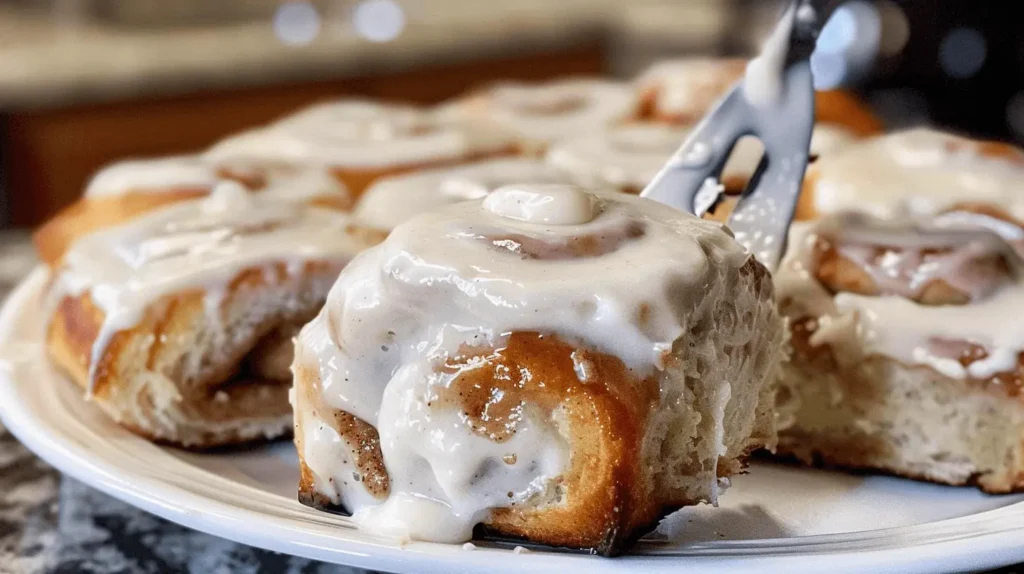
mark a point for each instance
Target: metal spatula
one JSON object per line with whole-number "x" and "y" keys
{"x": 774, "y": 102}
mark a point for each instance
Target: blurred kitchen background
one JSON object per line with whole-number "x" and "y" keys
{"x": 85, "y": 82}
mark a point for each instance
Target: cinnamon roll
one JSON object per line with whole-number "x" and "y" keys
{"x": 361, "y": 141}
{"x": 178, "y": 322}
{"x": 128, "y": 189}
{"x": 392, "y": 200}
{"x": 541, "y": 114}
{"x": 548, "y": 363}
{"x": 908, "y": 352}
{"x": 628, "y": 157}
{"x": 916, "y": 173}
{"x": 682, "y": 91}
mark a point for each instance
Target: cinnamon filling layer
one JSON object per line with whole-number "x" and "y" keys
{"x": 492, "y": 387}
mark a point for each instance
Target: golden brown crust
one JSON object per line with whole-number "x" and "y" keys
{"x": 842, "y": 108}
{"x": 220, "y": 395}
{"x": 91, "y": 214}
{"x": 606, "y": 500}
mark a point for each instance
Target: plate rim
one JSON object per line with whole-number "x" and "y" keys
{"x": 995, "y": 540}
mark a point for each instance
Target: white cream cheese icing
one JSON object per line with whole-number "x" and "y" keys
{"x": 196, "y": 173}
{"x": 543, "y": 113}
{"x": 395, "y": 199}
{"x": 628, "y": 157}
{"x": 469, "y": 275}
{"x": 895, "y": 326}
{"x": 919, "y": 172}
{"x": 198, "y": 244}
{"x": 358, "y": 134}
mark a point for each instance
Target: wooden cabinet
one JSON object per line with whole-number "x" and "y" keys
{"x": 49, "y": 155}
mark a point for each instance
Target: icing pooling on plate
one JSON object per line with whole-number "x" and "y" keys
{"x": 897, "y": 327}
{"x": 198, "y": 244}
{"x": 469, "y": 275}
{"x": 357, "y": 134}
{"x": 919, "y": 172}
{"x": 393, "y": 200}
{"x": 543, "y": 113}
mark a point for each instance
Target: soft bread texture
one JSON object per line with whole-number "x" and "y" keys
{"x": 178, "y": 376}
{"x": 844, "y": 403}
{"x": 910, "y": 421}
{"x": 639, "y": 446}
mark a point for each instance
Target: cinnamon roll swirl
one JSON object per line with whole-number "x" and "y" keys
{"x": 682, "y": 91}
{"x": 393, "y": 200}
{"x": 361, "y": 141}
{"x": 916, "y": 173}
{"x": 178, "y": 322}
{"x": 128, "y": 189}
{"x": 550, "y": 363}
{"x": 541, "y": 114}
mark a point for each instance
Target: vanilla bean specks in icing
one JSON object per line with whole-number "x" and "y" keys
{"x": 198, "y": 244}
{"x": 392, "y": 200}
{"x": 605, "y": 271}
{"x": 358, "y": 134}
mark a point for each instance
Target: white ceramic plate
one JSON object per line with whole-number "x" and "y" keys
{"x": 775, "y": 518}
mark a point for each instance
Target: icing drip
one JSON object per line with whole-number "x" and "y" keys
{"x": 419, "y": 338}
{"x": 355, "y": 134}
{"x": 199, "y": 244}
{"x": 393, "y": 200}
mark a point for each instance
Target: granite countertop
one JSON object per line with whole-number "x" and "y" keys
{"x": 51, "y": 523}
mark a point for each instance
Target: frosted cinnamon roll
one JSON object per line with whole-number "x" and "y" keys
{"x": 628, "y": 157}
{"x": 128, "y": 189}
{"x": 908, "y": 352}
{"x": 392, "y": 200}
{"x": 549, "y": 363}
{"x": 361, "y": 141}
{"x": 916, "y": 173}
{"x": 543, "y": 113}
{"x": 681, "y": 91}
{"x": 178, "y": 323}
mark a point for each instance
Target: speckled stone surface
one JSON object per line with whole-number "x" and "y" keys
{"x": 54, "y": 524}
